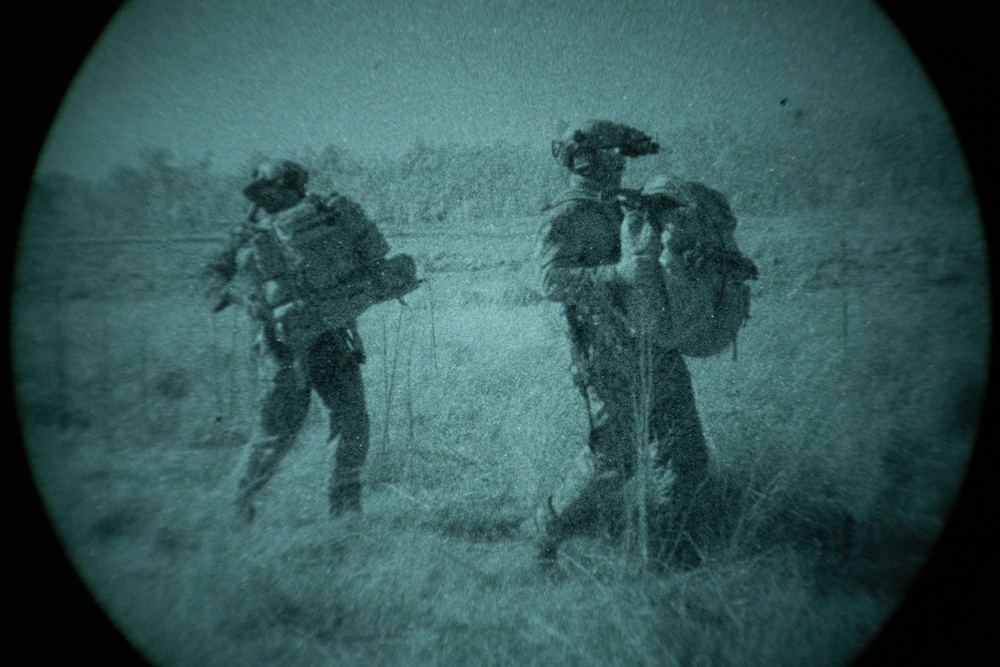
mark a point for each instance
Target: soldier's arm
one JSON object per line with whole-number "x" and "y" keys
{"x": 223, "y": 265}
{"x": 564, "y": 276}
{"x": 220, "y": 270}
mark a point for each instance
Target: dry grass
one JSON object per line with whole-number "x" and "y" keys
{"x": 136, "y": 406}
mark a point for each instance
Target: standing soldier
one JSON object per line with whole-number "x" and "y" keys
{"x": 600, "y": 269}
{"x": 306, "y": 267}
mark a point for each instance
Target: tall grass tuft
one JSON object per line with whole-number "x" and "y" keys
{"x": 639, "y": 490}
{"x": 822, "y": 442}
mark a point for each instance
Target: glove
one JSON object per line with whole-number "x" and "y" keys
{"x": 639, "y": 269}
{"x": 640, "y": 252}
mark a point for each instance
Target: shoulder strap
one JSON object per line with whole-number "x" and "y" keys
{"x": 571, "y": 195}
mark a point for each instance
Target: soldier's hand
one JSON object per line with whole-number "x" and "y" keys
{"x": 639, "y": 236}
{"x": 640, "y": 251}
{"x": 639, "y": 271}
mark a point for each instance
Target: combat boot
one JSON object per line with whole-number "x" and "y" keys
{"x": 578, "y": 502}
{"x": 246, "y": 511}
{"x": 265, "y": 455}
{"x": 345, "y": 493}
{"x": 546, "y": 539}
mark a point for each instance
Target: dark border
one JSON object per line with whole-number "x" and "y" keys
{"x": 943, "y": 620}
{"x": 51, "y": 616}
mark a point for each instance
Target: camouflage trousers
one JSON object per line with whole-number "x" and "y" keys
{"x": 331, "y": 368}
{"x": 592, "y": 490}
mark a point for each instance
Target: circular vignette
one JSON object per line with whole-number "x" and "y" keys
{"x": 952, "y": 578}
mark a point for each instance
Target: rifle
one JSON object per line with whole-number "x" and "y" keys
{"x": 224, "y": 266}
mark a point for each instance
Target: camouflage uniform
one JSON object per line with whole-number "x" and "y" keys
{"x": 329, "y": 363}
{"x": 579, "y": 248}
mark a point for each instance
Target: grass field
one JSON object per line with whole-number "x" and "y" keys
{"x": 842, "y": 432}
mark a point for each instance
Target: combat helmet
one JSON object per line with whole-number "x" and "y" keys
{"x": 285, "y": 174}
{"x": 601, "y": 135}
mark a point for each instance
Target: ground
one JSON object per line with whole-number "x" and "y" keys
{"x": 842, "y": 428}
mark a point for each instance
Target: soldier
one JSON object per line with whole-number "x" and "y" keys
{"x": 602, "y": 265}
{"x": 306, "y": 267}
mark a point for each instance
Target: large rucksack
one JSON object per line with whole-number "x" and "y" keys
{"x": 705, "y": 273}
{"x": 323, "y": 263}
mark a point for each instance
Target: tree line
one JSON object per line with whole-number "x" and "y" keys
{"x": 800, "y": 161}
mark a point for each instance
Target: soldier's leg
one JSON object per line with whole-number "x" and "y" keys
{"x": 283, "y": 412}
{"x": 675, "y": 421}
{"x": 678, "y": 429}
{"x": 591, "y": 489}
{"x": 335, "y": 373}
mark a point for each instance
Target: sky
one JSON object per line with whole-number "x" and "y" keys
{"x": 229, "y": 78}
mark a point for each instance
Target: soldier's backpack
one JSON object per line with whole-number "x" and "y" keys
{"x": 324, "y": 263}
{"x": 705, "y": 273}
